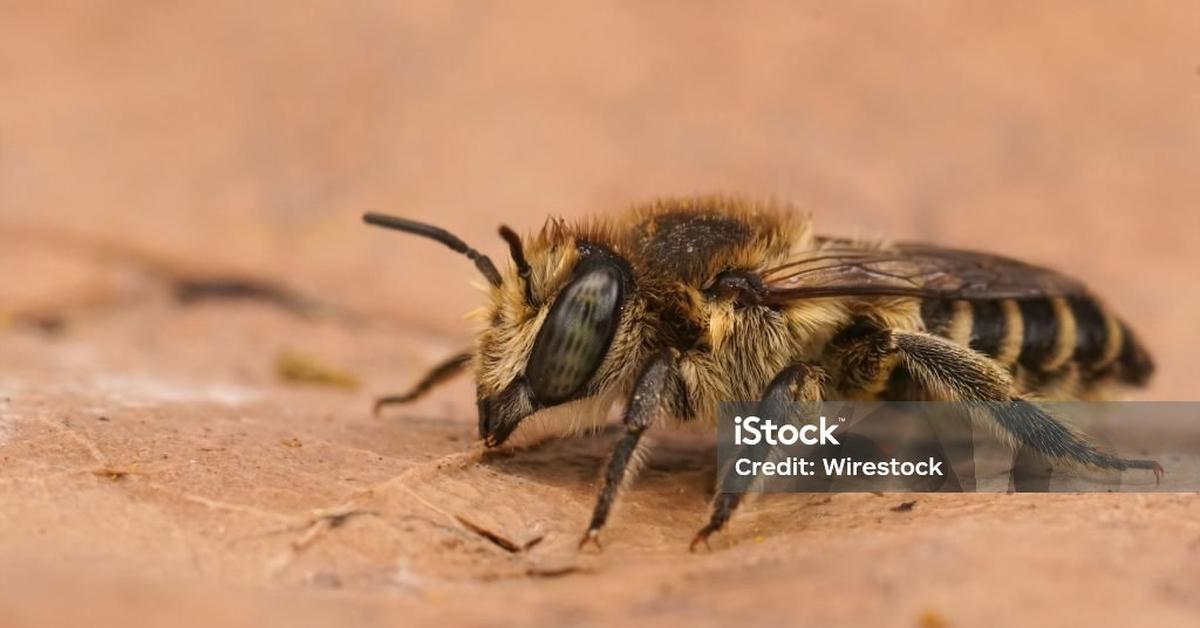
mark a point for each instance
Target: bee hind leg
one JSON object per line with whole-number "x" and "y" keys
{"x": 649, "y": 398}
{"x": 956, "y": 373}
{"x": 443, "y": 372}
{"x": 797, "y": 383}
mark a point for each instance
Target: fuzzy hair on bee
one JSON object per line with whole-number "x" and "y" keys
{"x": 678, "y": 305}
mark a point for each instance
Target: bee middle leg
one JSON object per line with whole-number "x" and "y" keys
{"x": 796, "y": 383}
{"x": 648, "y": 400}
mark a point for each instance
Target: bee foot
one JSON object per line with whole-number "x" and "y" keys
{"x": 592, "y": 536}
{"x": 702, "y": 537}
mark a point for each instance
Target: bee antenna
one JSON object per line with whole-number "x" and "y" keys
{"x": 517, "y": 250}
{"x": 482, "y": 262}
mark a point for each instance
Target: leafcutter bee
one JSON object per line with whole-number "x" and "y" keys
{"x": 677, "y": 305}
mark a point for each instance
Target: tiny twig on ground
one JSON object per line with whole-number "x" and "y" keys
{"x": 554, "y": 572}
{"x": 323, "y": 523}
{"x": 503, "y": 543}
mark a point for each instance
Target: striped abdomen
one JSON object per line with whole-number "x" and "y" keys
{"x": 1043, "y": 336}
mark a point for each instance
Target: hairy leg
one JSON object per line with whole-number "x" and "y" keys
{"x": 955, "y": 373}
{"x": 799, "y": 382}
{"x": 648, "y": 400}
{"x": 439, "y": 374}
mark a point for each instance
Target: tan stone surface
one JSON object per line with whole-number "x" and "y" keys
{"x": 153, "y": 469}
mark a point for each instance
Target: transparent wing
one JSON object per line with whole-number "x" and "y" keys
{"x": 919, "y": 270}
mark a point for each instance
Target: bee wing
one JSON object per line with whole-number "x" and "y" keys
{"x": 918, "y": 270}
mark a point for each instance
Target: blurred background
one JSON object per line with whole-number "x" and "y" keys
{"x": 150, "y": 146}
{"x": 248, "y": 138}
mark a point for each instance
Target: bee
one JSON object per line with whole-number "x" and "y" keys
{"x": 675, "y": 306}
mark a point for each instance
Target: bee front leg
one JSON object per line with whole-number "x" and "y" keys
{"x": 649, "y": 398}
{"x": 796, "y": 383}
{"x": 439, "y": 374}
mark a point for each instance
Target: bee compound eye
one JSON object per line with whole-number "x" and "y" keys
{"x": 575, "y": 336}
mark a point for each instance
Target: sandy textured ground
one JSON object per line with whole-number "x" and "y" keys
{"x": 154, "y": 469}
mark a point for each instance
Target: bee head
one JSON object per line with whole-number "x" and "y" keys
{"x": 553, "y": 330}
{"x": 550, "y": 332}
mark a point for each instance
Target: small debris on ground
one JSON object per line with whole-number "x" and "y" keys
{"x": 111, "y": 473}
{"x": 500, "y": 541}
{"x": 931, "y": 619}
{"x": 296, "y": 368}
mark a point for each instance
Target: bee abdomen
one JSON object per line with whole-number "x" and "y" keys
{"x": 1039, "y": 345}
{"x": 1134, "y": 364}
{"x": 992, "y": 327}
{"x": 1043, "y": 335}
{"x": 947, "y": 318}
{"x": 997, "y": 330}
